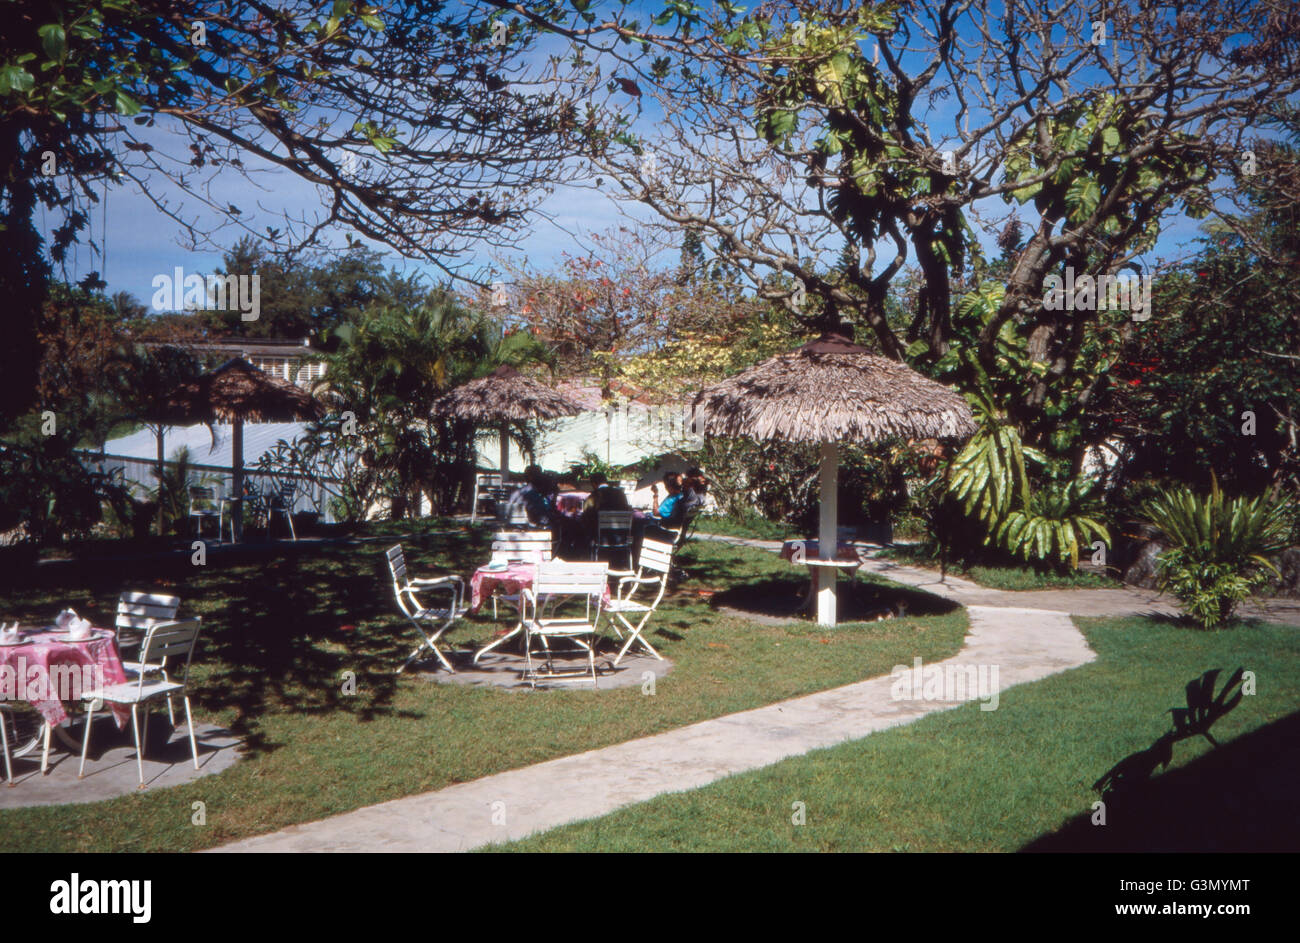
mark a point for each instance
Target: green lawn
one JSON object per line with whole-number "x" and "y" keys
{"x": 1015, "y": 577}
{"x": 752, "y": 526}
{"x": 1020, "y": 777}
{"x": 280, "y": 630}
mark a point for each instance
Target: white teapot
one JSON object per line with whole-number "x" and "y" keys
{"x": 63, "y": 621}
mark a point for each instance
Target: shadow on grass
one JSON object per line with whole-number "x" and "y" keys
{"x": 280, "y": 624}
{"x": 858, "y": 600}
{"x": 1239, "y": 797}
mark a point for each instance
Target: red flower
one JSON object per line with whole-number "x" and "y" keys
{"x": 1135, "y": 382}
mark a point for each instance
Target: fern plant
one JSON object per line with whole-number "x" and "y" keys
{"x": 1219, "y": 548}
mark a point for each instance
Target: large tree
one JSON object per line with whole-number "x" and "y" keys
{"x": 896, "y": 132}
{"x": 424, "y": 126}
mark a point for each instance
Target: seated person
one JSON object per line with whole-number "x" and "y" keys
{"x": 604, "y": 496}
{"x": 673, "y": 487}
{"x": 655, "y": 525}
{"x": 691, "y": 499}
{"x": 538, "y": 497}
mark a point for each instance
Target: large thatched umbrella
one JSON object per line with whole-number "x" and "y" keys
{"x": 830, "y": 391}
{"x": 503, "y": 396}
{"x": 238, "y": 392}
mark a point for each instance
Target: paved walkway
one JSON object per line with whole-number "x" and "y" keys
{"x": 1120, "y": 601}
{"x": 1024, "y": 644}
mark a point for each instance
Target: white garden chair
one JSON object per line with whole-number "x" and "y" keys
{"x": 417, "y": 613}
{"x": 4, "y": 745}
{"x": 485, "y": 486}
{"x": 204, "y": 506}
{"x": 281, "y": 502}
{"x": 167, "y": 645}
{"x": 614, "y": 537}
{"x": 526, "y": 546}
{"x": 561, "y": 578}
{"x": 137, "y": 613}
{"x": 652, "y": 572}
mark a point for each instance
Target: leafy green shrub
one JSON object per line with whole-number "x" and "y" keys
{"x": 989, "y": 481}
{"x": 1219, "y": 548}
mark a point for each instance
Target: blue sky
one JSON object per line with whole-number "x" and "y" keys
{"x": 141, "y": 242}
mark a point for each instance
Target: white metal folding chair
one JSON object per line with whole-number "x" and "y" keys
{"x": 417, "y": 613}
{"x": 204, "y": 507}
{"x": 614, "y": 537}
{"x": 528, "y": 546}
{"x": 561, "y": 578}
{"x": 4, "y": 744}
{"x": 481, "y": 485}
{"x": 167, "y": 645}
{"x": 653, "y": 566}
{"x": 139, "y": 612}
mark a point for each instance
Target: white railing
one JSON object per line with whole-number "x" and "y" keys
{"x": 309, "y": 495}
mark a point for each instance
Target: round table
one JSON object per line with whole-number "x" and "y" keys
{"x": 26, "y": 673}
{"x": 808, "y": 553}
{"x": 512, "y": 580}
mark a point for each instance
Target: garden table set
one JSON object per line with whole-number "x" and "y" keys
{"x": 77, "y": 663}
{"x": 514, "y": 580}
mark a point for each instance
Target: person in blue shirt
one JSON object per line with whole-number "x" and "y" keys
{"x": 673, "y": 485}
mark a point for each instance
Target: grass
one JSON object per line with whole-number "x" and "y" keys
{"x": 1007, "y": 577}
{"x": 281, "y": 628}
{"x": 1020, "y": 777}
{"x": 753, "y": 527}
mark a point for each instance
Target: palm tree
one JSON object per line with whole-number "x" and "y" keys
{"x": 388, "y": 367}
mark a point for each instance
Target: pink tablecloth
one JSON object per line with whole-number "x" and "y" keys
{"x": 513, "y": 579}
{"x": 569, "y": 503}
{"x": 29, "y": 676}
{"x": 797, "y": 551}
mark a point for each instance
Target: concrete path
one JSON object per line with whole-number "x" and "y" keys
{"x": 1120, "y": 601}
{"x": 1023, "y": 644}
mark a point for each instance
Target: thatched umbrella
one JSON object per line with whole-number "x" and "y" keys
{"x": 504, "y": 396}
{"x": 830, "y": 391}
{"x": 238, "y": 392}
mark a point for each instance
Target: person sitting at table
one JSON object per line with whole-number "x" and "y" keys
{"x": 694, "y": 487}
{"x": 673, "y": 487}
{"x": 604, "y": 497}
{"x": 537, "y": 496}
{"x": 654, "y": 523}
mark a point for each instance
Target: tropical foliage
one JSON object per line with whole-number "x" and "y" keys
{"x": 1219, "y": 548}
{"x": 389, "y": 365}
{"x": 990, "y": 482}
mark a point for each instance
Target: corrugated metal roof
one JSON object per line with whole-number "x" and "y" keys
{"x": 259, "y": 438}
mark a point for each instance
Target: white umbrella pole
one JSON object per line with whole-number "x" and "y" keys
{"x": 237, "y": 478}
{"x": 826, "y": 538}
{"x": 161, "y": 470}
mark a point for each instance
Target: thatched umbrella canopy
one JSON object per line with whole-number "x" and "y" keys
{"x": 829, "y": 391}
{"x": 503, "y": 396}
{"x": 238, "y": 392}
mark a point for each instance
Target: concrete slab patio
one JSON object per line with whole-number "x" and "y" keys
{"x": 505, "y": 671}
{"x": 1024, "y": 644}
{"x": 111, "y": 767}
